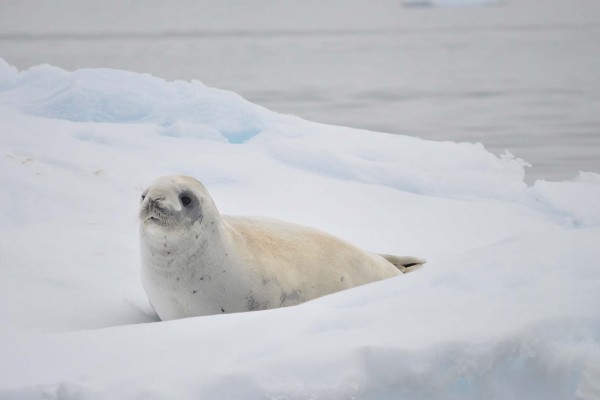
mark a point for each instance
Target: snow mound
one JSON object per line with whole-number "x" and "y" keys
{"x": 105, "y": 95}
{"x": 577, "y": 199}
{"x": 505, "y": 307}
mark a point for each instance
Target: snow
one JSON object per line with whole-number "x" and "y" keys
{"x": 506, "y": 307}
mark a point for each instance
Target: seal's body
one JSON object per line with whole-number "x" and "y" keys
{"x": 197, "y": 262}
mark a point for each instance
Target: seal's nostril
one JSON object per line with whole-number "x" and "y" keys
{"x": 156, "y": 200}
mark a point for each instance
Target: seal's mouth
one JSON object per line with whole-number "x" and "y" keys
{"x": 152, "y": 213}
{"x": 155, "y": 220}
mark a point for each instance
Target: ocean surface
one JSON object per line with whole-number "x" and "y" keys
{"x": 518, "y": 75}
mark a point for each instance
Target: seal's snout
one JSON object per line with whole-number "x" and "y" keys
{"x": 155, "y": 210}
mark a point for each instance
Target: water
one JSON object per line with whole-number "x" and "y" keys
{"x": 522, "y": 76}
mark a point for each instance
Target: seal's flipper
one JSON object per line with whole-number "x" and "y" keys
{"x": 405, "y": 264}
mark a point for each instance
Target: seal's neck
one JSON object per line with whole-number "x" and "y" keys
{"x": 201, "y": 245}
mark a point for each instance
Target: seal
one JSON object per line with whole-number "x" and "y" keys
{"x": 196, "y": 261}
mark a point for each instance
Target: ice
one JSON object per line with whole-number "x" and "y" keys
{"x": 576, "y": 199}
{"x": 506, "y": 307}
{"x": 104, "y": 95}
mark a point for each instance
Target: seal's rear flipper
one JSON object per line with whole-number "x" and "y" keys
{"x": 405, "y": 264}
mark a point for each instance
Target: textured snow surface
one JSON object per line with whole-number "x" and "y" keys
{"x": 507, "y": 306}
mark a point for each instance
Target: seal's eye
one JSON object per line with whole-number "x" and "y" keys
{"x": 185, "y": 200}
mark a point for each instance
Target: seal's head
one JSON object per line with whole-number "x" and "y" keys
{"x": 173, "y": 202}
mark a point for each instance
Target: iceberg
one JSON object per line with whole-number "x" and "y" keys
{"x": 506, "y": 306}
{"x": 447, "y": 3}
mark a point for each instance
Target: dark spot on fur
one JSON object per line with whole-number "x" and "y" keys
{"x": 342, "y": 279}
{"x": 290, "y": 298}
{"x": 178, "y": 278}
{"x": 194, "y": 291}
{"x": 201, "y": 278}
{"x": 168, "y": 252}
{"x": 253, "y": 305}
{"x": 222, "y": 309}
{"x": 196, "y": 236}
